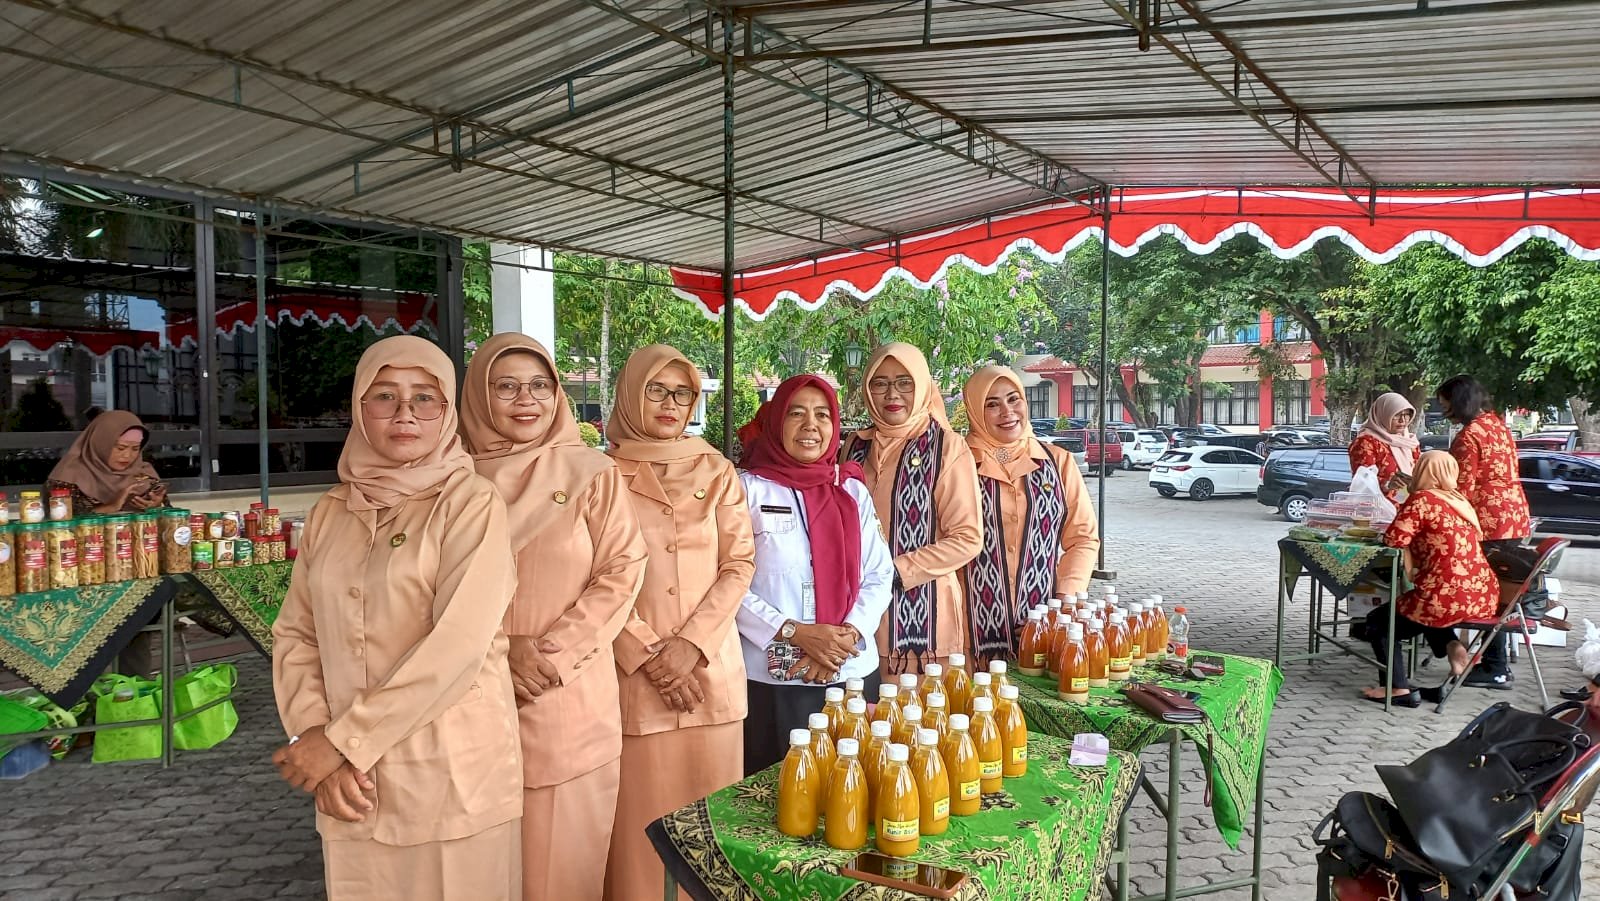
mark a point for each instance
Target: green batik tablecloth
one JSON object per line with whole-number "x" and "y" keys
{"x": 1047, "y": 837}
{"x": 59, "y": 641}
{"x": 250, "y": 596}
{"x": 1341, "y": 566}
{"x": 1238, "y": 705}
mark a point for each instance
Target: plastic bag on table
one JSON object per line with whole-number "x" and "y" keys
{"x": 1365, "y": 488}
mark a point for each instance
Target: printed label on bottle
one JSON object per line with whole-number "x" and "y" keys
{"x": 899, "y": 830}
{"x": 1079, "y": 686}
{"x": 1180, "y": 651}
{"x": 1019, "y": 754}
{"x": 1038, "y": 661}
{"x": 988, "y": 769}
{"x": 1120, "y": 664}
{"x": 969, "y": 790}
{"x": 941, "y": 808}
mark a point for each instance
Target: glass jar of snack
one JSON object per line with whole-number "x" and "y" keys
{"x": 61, "y": 547}
{"x": 33, "y": 562}
{"x": 8, "y": 561}
{"x": 91, "y": 538}
{"x": 176, "y": 539}
{"x": 119, "y": 538}
{"x": 146, "y": 545}
{"x": 60, "y": 504}
{"x": 31, "y": 507}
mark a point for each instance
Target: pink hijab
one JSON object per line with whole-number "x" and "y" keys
{"x": 1403, "y": 444}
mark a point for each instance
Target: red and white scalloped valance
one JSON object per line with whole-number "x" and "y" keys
{"x": 1478, "y": 224}
{"x": 97, "y": 341}
{"x": 407, "y": 311}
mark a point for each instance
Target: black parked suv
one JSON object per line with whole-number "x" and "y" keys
{"x": 1294, "y": 476}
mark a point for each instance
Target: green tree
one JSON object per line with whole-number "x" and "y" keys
{"x": 37, "y": 410}
{"x": 746, "y": 400}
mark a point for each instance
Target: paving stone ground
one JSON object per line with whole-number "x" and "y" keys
{"x": 220, "y": 825}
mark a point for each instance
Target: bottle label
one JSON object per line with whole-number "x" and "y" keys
{"x": 941, "y": 808}
{"x": 1019, "y": 754}
{"x": 969, "y": 790}
{"x": 1180, "y": 650}
{"x": 989, "y": 769}
{"x": 899, "y": 830}
{"x": 1079, "y": 686}
{"x": 1038, "y": 661}
{"x": 1120, "y": 664}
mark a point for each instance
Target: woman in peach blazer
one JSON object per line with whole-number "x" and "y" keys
{"x": 678, "y": 658}
{"x": 580, "y": 561}
{"x": 925, "y": 487}
{"x": 389, "y": 664}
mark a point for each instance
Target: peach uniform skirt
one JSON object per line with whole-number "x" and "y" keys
{"x": 482, "y": 867}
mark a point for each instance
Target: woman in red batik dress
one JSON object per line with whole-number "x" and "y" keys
{"x": 1386, "y": 442}
{"x": 1439, "y": 532}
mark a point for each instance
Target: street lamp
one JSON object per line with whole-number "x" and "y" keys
{"x": 853, "y": 353}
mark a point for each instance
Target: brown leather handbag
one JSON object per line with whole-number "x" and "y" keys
{"x": 1163, "y": 703}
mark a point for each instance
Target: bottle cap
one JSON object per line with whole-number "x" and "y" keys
{"x": 1096, "y": 624}
{"x": 1117, "y": 616}
{"x": 960, "y": 722}
{"x": 799, "y": 738}
{"x": 928, "y": 737}
{"x": 934, "y": 700}
{"x": 997, "y": 667}
{"x": 934, "y": 670}
{"x": 908, "y": 681}
{"x": 1053, "y": 604}
{"x": 887, "y": 692}
{"x": 882, "y": 728}
{"x": 855, "y": 685}
{"x": 1009, "y": 692}
{"x": 1112, "y": 599}
{"x": 1083, "y": 616}
{"x": 848, "y": 747}
{"x": 1075, "y": 631}
{"x": 1111, "y": 588}
{"x": 1036, "y": 614}
{"x": 982, "y": 679}
{"x": 958, "y": 660}
{"x": 834, "y": 696}
{"x": 818, "y": 721}
{"x": 982, "y": 705}
{"x": 899, "y": 753}
{"x": 856, "y": 705}
{"x": 1083, "y": 595}
{"x": 913, "y": 713}
{"x": 1156, "y": 598}
{"x": 1180, "y": 609}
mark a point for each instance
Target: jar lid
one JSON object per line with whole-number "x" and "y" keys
{"x": 61, "y": 492}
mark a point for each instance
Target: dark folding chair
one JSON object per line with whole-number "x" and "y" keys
{"x": 1509, "y": 620}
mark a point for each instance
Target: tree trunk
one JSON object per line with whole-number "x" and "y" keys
{"x": 1588, "y": 420}
{"x": 1131, "y": 407}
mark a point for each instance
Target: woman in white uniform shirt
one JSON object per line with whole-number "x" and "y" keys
{"x": 823, "y": 571}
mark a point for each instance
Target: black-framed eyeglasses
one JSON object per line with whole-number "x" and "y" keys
{"x": 386, "y": 405}
{"x": 659, "y": 392}
{"x": 538, "y": 388}
{"x": 905, "y": 384}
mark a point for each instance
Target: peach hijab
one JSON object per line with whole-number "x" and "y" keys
{"x": 1436, "y": 474}
{"x": 888, "y": 440}
{"x": 1021, "y": 456}
{"x": 626, "y": 432}
{"x": 376, "y": 482}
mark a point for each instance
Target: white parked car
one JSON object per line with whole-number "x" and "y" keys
{"x": 1204, "y": 472}
{"x": 1141, "y": 447}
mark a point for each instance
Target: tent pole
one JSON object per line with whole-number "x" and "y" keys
{"x": 261, "y": 350}
{"x": 727, "y": 236}
{"x": 1105, "y": 294}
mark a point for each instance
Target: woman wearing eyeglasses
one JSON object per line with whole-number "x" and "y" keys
{"x": 1039, "y": 533}
{"x": 580, "y": 560}
{"x": 925, "y": 487}
{"x": 389, "y": 662}
{"x": 678, "y": 660}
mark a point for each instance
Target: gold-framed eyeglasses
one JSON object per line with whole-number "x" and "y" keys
{"x": 905, "y": 384}
{"x": 659, "y": 392}
{"x": 538, "y": 389}
{"x": 386, "y": 405}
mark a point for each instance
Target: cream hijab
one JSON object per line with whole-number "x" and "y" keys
{"x": 1403, "y": 444}
{"x": 888, "y": 440}
{"x": 1022, "y": 455}
{"x": 626, "y": 432}
{"x": 376, "y": 482}
{"x": 1436, "y": 475}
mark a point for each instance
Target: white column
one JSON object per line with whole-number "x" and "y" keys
{"x": 524, "y": 291}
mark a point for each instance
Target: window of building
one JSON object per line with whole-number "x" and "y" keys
{"x": 1086, "y": 404}
{"x": 1287, "y": 328}
{"x": 1232, "y": 403}
{"x": 1038, "y": 401}
{"x": 1292, "y": 401}
{"x": 1222, "y": 334}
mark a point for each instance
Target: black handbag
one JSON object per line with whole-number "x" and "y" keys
{"x": 1552, "y": 871}
{"x": 1364, "y": 836}
{"x": 1463, "y": 801}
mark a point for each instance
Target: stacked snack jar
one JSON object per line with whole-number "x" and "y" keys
{"x": 799, "y": 792}
{"x": 1031, "y": 647}
{"x": 822, "y": 750}
{"x": 935, "y": 716}
{"x": 61, "y": 545}
{"x": 119, "y": 539}
{"x": 957, "y": 684}
{"x": 1013, "y": 733}
{"x": 1074, "y": 685}
{"x": 932, "y": 681}
{"x": 961, "y": 762}
{"x": 833, "y": 707}
{"x": 991, "y": 749}
{"x": 847, "y": 809}
{"x": 1094, "y": 640}
{"x": 147, "y": 546}
{"x": 60, "y": 504}
{"x": 176, "y": 536}
{"x": 33, "y": 559}
{"x": 90, "y": 534}
{"x": 899, "y": 810}
{"x": 30, "y": 507}
{"x": 8, "y": 560}
{"x": 933, "y": 784}
{"x": 873, "y": 759}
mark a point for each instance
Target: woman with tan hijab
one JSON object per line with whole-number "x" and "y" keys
{"x": 389, "y": 663}
{"x": 105, "y": 469}
{"x": 925, "y": 487}
{"x": 682, "y": 674}
{"x": 1040, "y": 539}
{"x": 580, "y": 561}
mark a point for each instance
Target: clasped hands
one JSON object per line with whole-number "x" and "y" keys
{"x": 671, "y": 670}
{"x": 313, "y": 765}
{"x": 824, "y": 651}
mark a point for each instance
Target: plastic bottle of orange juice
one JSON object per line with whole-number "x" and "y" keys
{"x": 872, "y": 759}
{"x": 910, "y": 725}
{"x": 888, "y": 708}
{"x": 1013, "y": 733}
{"x": 848, "y": 800}
{"x": 799, "y": 788}
{"x": 933, "y": 783}
{"x": 991, "y": 749}
{"x": 822, "y": 750}
{"x": 982, "y": 687}
{"x": 1118, "y": 648}
{"x": 1094, "y": 639}
{"x": 833, "y": 706}
{"x": 909, "y": 683}
{"x": 855, "y": 688}
{"x": 899, "y": 810}
{"x": 997, "y": 675}
{"x": 961, "y": 762}
{"x": 855, "y": 723}
{"x": 957, "y": 684}
{"x": 1138, "y": 624}
{"x": 1074, "y": 685}
{"x": 932, "y": 681}
{"x": 1057, "y": 637}
{"x": 1052, "y": 612}
{"x": 1155, "y": 647}
{"x": 1031, "y": 646}
{"x": 935, "y": 716}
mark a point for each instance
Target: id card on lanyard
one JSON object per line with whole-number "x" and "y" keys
{"x": 808, "y": 588}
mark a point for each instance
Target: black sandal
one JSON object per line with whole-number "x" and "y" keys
{"x": 1412, "y": 700}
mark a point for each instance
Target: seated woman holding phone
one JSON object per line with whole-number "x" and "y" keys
{"x": 1386, "y": 441}
{"x": 105, "y": 468}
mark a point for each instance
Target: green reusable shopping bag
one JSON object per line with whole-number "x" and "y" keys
{"x": 59, "y": 717}
{"x": 17, "y": 718}
{"x": 194, "y": 690}
{"x": 134, "y": 743}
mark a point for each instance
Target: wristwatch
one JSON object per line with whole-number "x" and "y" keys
{"x": 787, "y": 632}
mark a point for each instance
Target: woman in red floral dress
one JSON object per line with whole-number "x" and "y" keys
{"x": 1487, "y": 455}
{"x": 1386, "y": 442}
{"x": 1440, "y": 534}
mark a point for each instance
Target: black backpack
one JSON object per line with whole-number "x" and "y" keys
{"x": 1365, "y": 834}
